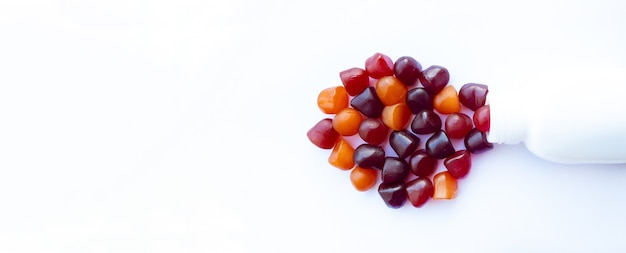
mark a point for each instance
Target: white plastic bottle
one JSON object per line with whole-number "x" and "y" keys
{"x": 565, "y": 116}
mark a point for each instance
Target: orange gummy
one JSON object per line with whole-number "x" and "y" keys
{"x": 332, "y": 100}
{"x": 390, "y": 90}
{"x": 362, "y": 178}
{"x": 342, "y": 155}
{"x": 396, "y": 116}
{"x": 447, "y": 101}
{"x": 445, "y": 186}
{"x": 347, "y": 121}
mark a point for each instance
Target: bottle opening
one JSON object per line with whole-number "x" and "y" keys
{"x": 507, "y": 116}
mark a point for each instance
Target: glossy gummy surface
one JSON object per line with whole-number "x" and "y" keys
{"x": 445, "y": 186}
{"x": 403, "y": 142}
{"x": 434, "y": 78}
{"x": 396, "y": 116}
{"x": 419, "y": 191}
{"x": 419, "y": 99}
{"x": 332, "y": 100}
{"x": 342, "y": 155}
{"x": 369, "y": 156}
{"x": 368, "y": 103}
{"x": 407, "y": 70}
{"x": 323, "y": 134}
{"x": 355, "y": 80}
{"x": 421, "y": 164}
{"x": 347, "y": 121}
{"x": 473, "y": 95}
{"x": 393, "y": 194}
{"x": 390, "y": 90}
{"x": 426, "y": 122}
{"x": 439, "y": 145}
{"x": 373, "y": 131}
{"x": 363, "y": 179}
{"x": 457, "y": 125}
{"x": 394, "y": 170}
{"x": 476, "y": 142}
{"x": 458, "y": 164}
{"x": 482, "y": 118}
{"x": 447, "y": 101}
{"x": 379, "y": 65}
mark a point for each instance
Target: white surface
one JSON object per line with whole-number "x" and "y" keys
{"x": 179, "y": 126}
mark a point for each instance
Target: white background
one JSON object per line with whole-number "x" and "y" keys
{"x": 180, "y": 126}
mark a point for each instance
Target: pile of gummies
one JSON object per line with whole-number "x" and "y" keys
{"x": 399, "y": 104}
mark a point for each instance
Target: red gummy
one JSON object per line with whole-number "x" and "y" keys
{"x": 355, "y": 80}
{"x": 419, "y": 191}
{"x": 323, "y": 134}
{"x": 481, "y": 118}
{"x": 473, "y": 95}
{"x": 421, "y": 164}
{"x": 373, "y": 131}
{"x": 457, "y": 125}
{"x": 379, "y": 65}
{"x": 458, "y": 164}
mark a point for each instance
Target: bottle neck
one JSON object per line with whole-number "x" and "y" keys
{"x": 508, "y": 117}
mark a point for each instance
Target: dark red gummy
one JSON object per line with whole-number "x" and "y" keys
{"x": 394, "y": 194}
{"x": 481, "y": 118}
{"x": 421, "y": 164}
{"x": 473, "y": 95}
{"x": 394, "y": 170}
{"x": 323, "y": 134}
{"x": 355, "y": 80}
{"x": 426, "y": 122}
{"x": 458, "y": 164}
{"x": 439, "y": 145}
{"x": 369, "y": 156}
{"x": 457, "y": 125}
{"x": 435, "y": 78}
{"x": 419, "y": 191}
{"x": 476, "y": 142}
{"x": 368, "y": 103}
{"x": 419, "y": 99}
{"x": 407, "y": 70}
{"x": 403, "y": 142}
{"x": 379, "y": 65}
{"x": 373, "y": 131}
